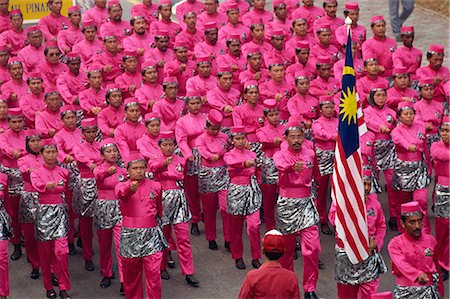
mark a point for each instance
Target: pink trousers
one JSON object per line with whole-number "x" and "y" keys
{"x": 55, "y": 253}
{"x": 442, "y": 226}
{"x": 4, "y": 271}
{"x": 421, "y": 197}
{"x": 105, "y": 240}
{"x": 132, "y": 276}
{"x": 31, "y": 246}
{"x": 236, "y": 226}
{"x": 193, "y": 196}
{"x": 15, "y": 201}
{"x": 322, "y": 195}
{"x": 86, "y": 235}
{"x": 269, "y": 192}
{"x": 211, "y": 201}
{"x": 392, "y": 195}
{"x": 359, "y": 291}
{"x": 309, "y": 240}
{"x": 183, "y": 246}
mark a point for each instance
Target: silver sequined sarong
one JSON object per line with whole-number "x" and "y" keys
{"x": 325, "y": 159}
{"x": 175, "y": 207}
{"x": 385, "y": 154}
{"x": 410, "y": 175}
{"x": 244, "y": 199}
{"x": 106, "y": 213}
{"x": 15, "y": 181}
{"x": 139, "y": 242}
{"x": 213, "y": 179}
{"x": 269, "y": 172}
{"x": 417, "y": 292}
{"x": 28, "y": 206}
{"x": 432, "y": 139}
{"x": 295, "y": 214}
{"x": 6, "y": 230}
{"x": 442, "y": 201}
{"x": 74, "y": 180}
{"x": 52, "y": 221}
{"x": 193, "y": 167}
{"x": 256, "y": 147}
{"x": 88, "y": 196}
{"x": 365, "y": 271}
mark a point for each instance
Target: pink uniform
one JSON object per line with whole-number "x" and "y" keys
{"x": 219, "y": 18}
{"x": 69, "y": 37}
{"x": 230, "y": 60}
{"x": 70, "y": 86}
{"x": 231, "y": 29}
{"x": 188, "y": 6}
{"x": 205, "y": 49}
{"x": 12, "y": 141}
{"x": 219, "y": 98}
{"x": 14, "y": 87}
{"x": 91, "y": 98}
{"x": 106, "y": 58}
{"x": 163, "y": 25}
{"x": 411, "y": 58}
{"x": 278, "y": 24}
{"x": 148, "y": 93}
{"x": 148, "y": 145}
{"x": 172, "y": 69}
{"x": 30, "y": 58}
{"x": 358, "y": 34}
{"x": 429, "y": 113}
{"x": 364, "y": 85}
{"x": 203, "y": 85}
{"x": 190, "y": 38}
{"x": 330, "y": 51}
{"x": 126, "y": 136}
{"x": 16, "y": 40}
{"x": 243, "y": 6}
{"x": 426, "y": 72}
{"x": 50, "y": 25}
{"x": 97, "y": 14}
{"x": 31, "y": 105}
{"x": 121, "y": 29}
{"x": 285, "y": 55}
{"x": 320, "y": 87}
{"x": 305, "y": 105}
{"x": 150, "y": 13}
{"x": 157, "y": 55}
{"x": 66, "y": 140}
{"x": 382, "y": 50}
{"x": 136, "y": 41}
{"x": 334, "y": 23}
{"x": 87, "y": 51}
{"x": 109, "y": 119}
{"x": 252, "y": 118}
{"x": 308, "y": 13}
{"x": 395, "y": 95}
{"x": 47, "y": 120}
{"x": 263, "y": 46}
{"x": 126, "y": 80}
{"x": 254, "y": 16}
{"x": 358, "y": 66}
{"x": 5, "y": 22}
{"x": 249, "y": 74}
{"x": 292, "y": 42}
{"x": 169, "y": 111}
{"x": 50, "y": 72}
{"x": 309, "y": 68}
{"x": 4, "y": 74}
{"x": 270, "y": 89}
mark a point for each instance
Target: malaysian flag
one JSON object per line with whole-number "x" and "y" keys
{"x": 347, "y": 183}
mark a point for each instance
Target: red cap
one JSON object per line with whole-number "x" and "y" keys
{"x": 48, "y": 142}
{"x": 277, "y": 32}
{"x": 426, "y": 82}
{"x": 107, "y": 142}
{"x": 210, "y": 26}
{"x": 302, "y": 44}
{"x": 224, "y": 69}
{"x": 326, "y": 100}
{"x": 256, "y": 22}
{"x": 233, "y": 36}
{"x": 382, "y": 295}
{"x": 170, "y": 80}
{"x": 35, "y": 75}
{"x": 399, "y": 70}
{"x": 253, "y": 51}
{"x": 161, "y": 33}
{"x": 407, "y": 30}
{"x": 67, "y": 108}
{"x": 129, "y": 53}
{"x": 166, "y": 135}
{"x": 33, "y": 133}
{"x": 301, "y": 75}
{"x": 14, "y": 60}
{"x": 277, "y": 3}
{"x": 323, "y": 60}
{"x": 131, "y": 102}
{"x": 215, "y": 117}
{"x": 273, "y": 241}
{"x": 51, "y": 91}
{"x": 379, "y": 86}
{"x": 51, "y": 44}
{"x": 237, "y": 130}
{"x": 179, "y": 45}
{"x": 324, "y": 27}
{"x": 73, "y": 8}
{"x": 148, "y": 64}
{"x": 95, "y": 68}
{"x": 112, "y": 3}
{"x": 15, "y": 112}
{"x": 88, "y": 23}
{"x": 351, "y": 6}
{"x": 15, "y": 12}
{"x": 32, "y": 29}
{"x": 135, "y": 157}
{"x": 136, "y": 15}
{"x": 410, "y": 208}
{"x": 250, "y": 84}
{"x": 192, "y": 93}
{"x": 88, "y": 123}
{"x": 376, "y": 19}
{"x": 165, "y": 2}
{"x": 203, "y": 59}
{"x": 270, "y": 104}
{"x": 112, "y": 87}
{"x": 232, "y": 6}
{"x": 72, "y": 55}
{"x": 151, "y": 116}
{"x": 405, "y": 105}
{"x": 436, "y": 49}
{"x": 275, "y": 62}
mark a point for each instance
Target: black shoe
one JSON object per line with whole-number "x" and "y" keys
{"x": 55, "y": 280}
{"x": 170, "y": 262}
{"x": 227, "y": 245}
{"x": 17, "y": 252}
{"x": 393, "y": 223}
{"x": 213, "y": 245}
{"x": 321, "y": 265}
{"x": 295, "y": 255}
{"x": 34, "y": 274}
{"x": 72, "y": 250}
{"x": 298, "y": 246}
{"x": 79, "y": 243}
{"x": 122, "y": 291}
{"x": 64, "y": 295}
{"x": 311, "y": 295}
{"x": 51, "y": 294}
{"x": 326, "y": 229}
{"x": 192, "y": 281}
{"x": 194, "y": 229}
{"x": 240, "y": 264}
{"x": 89, "y": 265}
{"x": 444, "y": 274}
{"x": 256, "y": 264}
{"x": 105, "y": 283}
{"x": 165, "y": 275}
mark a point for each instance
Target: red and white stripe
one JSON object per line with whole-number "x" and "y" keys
{"x": 362, "y": 128}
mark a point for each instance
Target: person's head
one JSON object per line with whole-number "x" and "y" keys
{"x": 4, "y": 5}
{"x": 323, "y": 66}
{"x": 324, "y": 34}
{"x": 15, "y": 69}
{"x": 74, "y": 14}
{"x": 371, "y": 67}
{"x": 367, "y": 181}
{"x": 302, "y": 51}
{"x": 16, "y": 121}
{"x": 254, "y": 59}
{"x": 271, "y": 112}
{"x": 233, "y": 14}
{"x": 55, "y": 6}
{"x": 211, "y": 33}
{"x": 152, "y": 123}
{"x": 407, "y": 36}
{"x": 276, "y": 70}
{"x": 52, "y": 100}
{"x": 330, "y": 8}
{"x": 401, "y": 77}
{"x": 69, "y": 117}
{"x": 193, "y": 102}
{"x": 300, "y": 26}
{"x": 435, "y": 56}
{"x": 167, "y": 143}
{"x": 170, "y": 86}
{"x": 33, "y": 142}
{"x": 326, "y": 106}
{"x": 190, "y": 19}
{"x": 130, "y": 61}
{"x": 95, "y": 77}
{"x": 165, "y": 9}
{"x": 351, "y": 10}
{"x": 109, "y": 151}
{"x": 4, "y": 56}
{"x": 136, "y": 167}
{"x": 257, "y": 31}
{"x": 49, "y": 152}
{"x": 277, "y": 39}
{"x": 89, "y": 29}
{"x": 259, "y": 4}
{"x": 377, "y": 95}
{"x": 308, "y": 3}
{"x": 89, "y": 129}
{"x": 301, "y": 83}
{"x": 251, "y": 92}
{"x": 279, "y": 9}
{"x": 225, "y": 77}
{"x": 273, "y": 245}
{"x": 162, "y": 41}
{"x": 73, "y": 63}
{"x": 213, "y": 122}
{"x": 238, "y": 137}
{"x": 100, "y": 3}
{"x": 139, "y": 25}
{"x": 444, "y": 130}
{"x": 234, "y": 45}
{"x": 3, "y": 109}
{"x": 16, "y": 18}
{"x": 378, "y": 25}
{"x": 35, "y": 83}
{"x": 426, "y": 89}
{"x": 34, "y": 36}
{"x": 211, "y": 6}
{"x": 114, "y": 95}
{"x": 406, "y": 113}
{"x": 204, "y": 66}
{"x": 411, "y": 219}
{"x": 181, "y": 51}
{"x": 115, "y": 11}
{"x": 132, "y": 110}
{"x": 111, "y": 44}
{"x": 149, "y": 72}
{"x": 294, "y": 136}
{"x": 52, "y": 53}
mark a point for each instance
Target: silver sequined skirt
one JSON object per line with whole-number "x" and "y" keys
{"x": 15, "y": 181}
{"x": 417, "y": 292}
{"x": 385, "y": 154}
{"x": 295, "y": 214}
{"x": 107, "y": 214}
{"x": 325, "y": 159}
{"x": 139, "y": 242}
{"x": 193, "y": 167}
{"x": 52, "y": 221}
{"x": 175, "y": 207}
{"x": 269, "y": 172}
{"x": 244, "y": 199}
{"x": 213, "y": 179}
{"x": 28, "y": 206}
{"x": 84, "y": 206}
{"x": 410, "y": 175}
{"x": 432, "y": 139}
{"x": 6, "y": 230}
{"x": 365, "y": 271}
{"x": 442, "y": 201}
{"x": 256, "y": 147}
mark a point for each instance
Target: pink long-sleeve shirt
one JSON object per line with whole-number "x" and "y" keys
{"x": 97, "y": 14}
{"x": 126, "y": 136}
{"x": 230, "y": 60}
{"x": 12, "y": 86}
{"x": 169, "y": 111}
{"x": 187, "y": 129}
{"x": 267, "y": 134}
{"x": 30, "y": 105}
{"x": 45, "y": 174}
{"x": 335, "y": 23}
{"x": 190, "y": 38}
{"x": 426, "y": 72}
{"x": 219, "y": 98}
{"x": 69, "y": 37}
{"x": 429, "y": 112}
{"x": 66, "y": 140}
{"x": 11, "y": 141}
{"x": 305, "y": 105}
{"x": 107, "y": 182}
{"x": 364, "y": 85}
{"x": 404, "y": 136}
{"x": 214, "y": 51}
{"x": 395, "y": 95}
{"x": 219, "y": 18}
{"x": 156, "y": 55}
{"x": 249, "y": 74}
{"x": 147, "y": 145}
{"x": 324, "y": 130}
{"x": 30, "y": 58}
{"x": 358, "y": 34}
{"x": 109, "y": 118}
{"x": 208, "y": 146}
{"x": 149, "y": 13}
{"x": 121, "y": 29}
{"x": 47, "y": 120}
{"x": 439, "y": 153}
{"x": 148, "y": 92}
{"x": 230, "y": 29}
{"x": 172, "y": 69}
{"x": 188, "y": 6}
{"x": 278, "y": 24}
{"x": 70, "y": 86}
{"x": 127, "y": 79}
{"x": 50, "y": 72}
{"x": 202, "y": 84}
{"x": 28, "y": 164}
{"x": 382, "y": 50}
{"x": 104, "y": 59}
{"x": 235, "y": 160}
{"x": 252, "y": 118}
{"x": 255, "y": 15}
{"x": 168, "y": 175}
{"x": 411, "y": 58}
{"x": 376, "y": 118}
{"x": 50, "y": 25}
{"x": 91, "y": 98}
{"x": 163, "y": 25}
{"x": 87, "y": 50}
{"x": 269, "y": 89}
{"x": 15, "y": 39}
{"x": 308, "y": 13}
{"x": 86, "y": 154}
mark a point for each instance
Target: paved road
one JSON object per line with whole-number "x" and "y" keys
{"x": 215, "y": 269}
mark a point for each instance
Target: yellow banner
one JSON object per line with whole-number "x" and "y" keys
{"x": 33, "y": 10}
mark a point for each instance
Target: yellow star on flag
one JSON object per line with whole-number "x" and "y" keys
{"x": 349, "y": 105}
